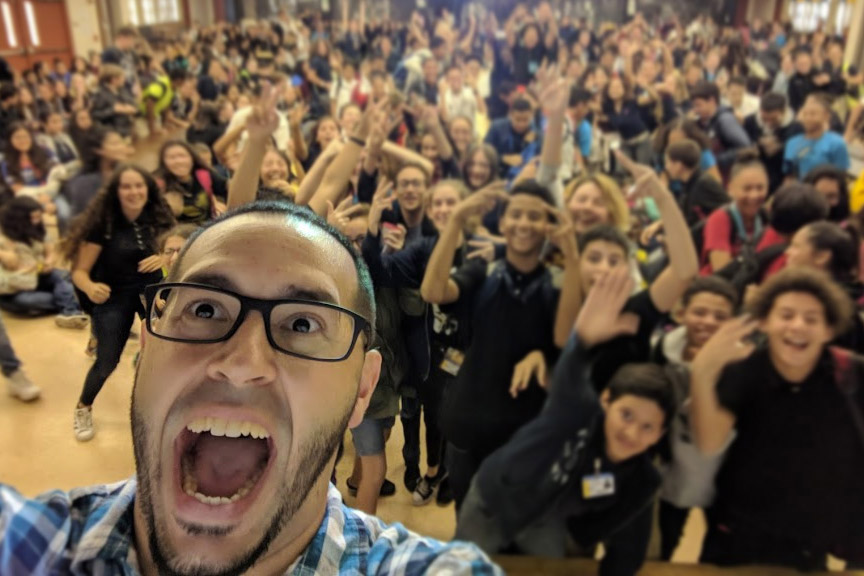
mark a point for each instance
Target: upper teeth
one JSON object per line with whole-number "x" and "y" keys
{"x": 229, "y": 428}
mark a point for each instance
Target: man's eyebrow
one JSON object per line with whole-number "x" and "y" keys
{"x": 291, "y": 292}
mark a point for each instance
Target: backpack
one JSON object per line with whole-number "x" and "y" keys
{"x": 750, "y": 265}
{"x": 698, "y": 230}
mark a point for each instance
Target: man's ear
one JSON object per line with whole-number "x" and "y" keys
{"x": 605, "y": 400}
{"x": 368, "y": 381}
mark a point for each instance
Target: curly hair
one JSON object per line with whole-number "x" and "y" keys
{"x": 838, "y": 307}
{"x": 39, "y": 157}
{"x": 691, "y": 131}
{"x": 613, "y": 198}
{"x": 104, "y": 211}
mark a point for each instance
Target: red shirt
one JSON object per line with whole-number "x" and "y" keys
{"x": 717, "y": 234}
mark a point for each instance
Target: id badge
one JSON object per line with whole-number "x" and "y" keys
{"x": 598, "y": 485}
{"x": 452, "y": 361}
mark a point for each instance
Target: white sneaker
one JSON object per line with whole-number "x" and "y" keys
{"x": 73, "y": 321}
{"x": 84, "y": 424}
{"x": 20, "y": 386}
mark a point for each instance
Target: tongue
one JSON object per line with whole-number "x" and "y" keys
{"x": 223, "y": 465}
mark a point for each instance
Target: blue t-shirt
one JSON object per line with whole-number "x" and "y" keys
{"x": 584, "y": 137}
{"x": 802, "y": 154}
{"x": 707, "y": 160}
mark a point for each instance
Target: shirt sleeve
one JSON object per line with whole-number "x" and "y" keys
{"x": 96, "y": 236}
{"x": 789, "y": 157}
{"x": 585, "y": 137}
{"x": 708, "y": 160}
{"x": 840, "y": 155}
{"x": 469, "y": 277}
{"x": 716, "y": 232}
{"x": 732, "y": 388}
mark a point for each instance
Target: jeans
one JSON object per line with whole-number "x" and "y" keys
{"x": 546, "y": 537}
{"x": 9, "y": 362}
{"x": 54, "y": 294}
{"x": 112, "y": 322}
{"x": 429, "y": 398}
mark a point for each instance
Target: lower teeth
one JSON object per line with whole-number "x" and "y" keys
{"x": 190, "y": 487}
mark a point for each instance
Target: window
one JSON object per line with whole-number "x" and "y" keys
{"x": 808, "y": 15}
{"x": 150, "y": 12}
{"x": 31, "y": 23}
{"x": 7, "y": 20}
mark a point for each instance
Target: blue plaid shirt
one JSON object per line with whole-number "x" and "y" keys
{"x": 90, "y": 531}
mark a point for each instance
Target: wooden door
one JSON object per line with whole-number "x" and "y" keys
{"x": 33, "y": 31}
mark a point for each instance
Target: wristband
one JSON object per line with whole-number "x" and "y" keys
{"x": 358, "y": 141}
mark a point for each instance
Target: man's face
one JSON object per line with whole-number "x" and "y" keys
{"x": 430, "y": 71}
{"x": 632, "y": 425}
{"x": 704, "y": 109}
{"x": 598, "y": 259}
{"x": 454, "y": 78}
{"x": 813, "y": 116}
{"x": 525, "y": 223}
{"x": 520, "y": 121}
{"x": 772, "y": 118}
{"x": 736, "y": 94}
{"x": 674, "y": 169}
{"x": 411, "y": 189}
{"x": 234, "y": 441}
{"x": 704, "y": 315}
{"x": 797, "y": 330}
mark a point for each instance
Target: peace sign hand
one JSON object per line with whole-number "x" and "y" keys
{"x": 264, "y": 120}
{"x": 382, "y": 200}
{"x": 647, "y": 183}
{"x": 480, "y": 202}
{"x": 340, "y": 216}
{"x": 562, "y": 234}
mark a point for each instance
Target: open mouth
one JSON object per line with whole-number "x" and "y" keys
{"x": 796, "y": 344}
{"x": 221, "y": 462}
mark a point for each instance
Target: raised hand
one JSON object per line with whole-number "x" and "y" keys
{"x": 480, "y": 202}
{"x": 297, "y": 114}
{"x": 728, "y": 345}
{"x": 533, "y": 366}
{"x": 601, "y": 318}
{"x": 562, "y": 234}
{"x": 263, "y": 120}
{"x": 340, "y": 216}
{"x": 373, "y": 115}
{"x": 382, "y": 200}
{"x": 647, "y": 183}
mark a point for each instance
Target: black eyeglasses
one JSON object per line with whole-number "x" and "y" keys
{"x": 201, "y": 314}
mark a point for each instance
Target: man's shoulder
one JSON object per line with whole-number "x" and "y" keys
{"x": 351, "y": 540}
{"x": 57, "y": 529}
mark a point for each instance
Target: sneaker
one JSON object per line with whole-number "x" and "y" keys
{"x": 72, "y": 321}
{"x": 412, "y": 478}
{"x": 426, "y": 488}
{"x": 445, "y": 493}
{"x": 84, "y": 424}
{"x": 388, "y": 488}
{"x": 20, "y": 387}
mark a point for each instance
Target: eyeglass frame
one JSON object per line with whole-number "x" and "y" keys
{"x": 265, "y": 307}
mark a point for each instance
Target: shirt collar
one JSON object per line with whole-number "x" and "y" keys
{"x": 108, "y": 534}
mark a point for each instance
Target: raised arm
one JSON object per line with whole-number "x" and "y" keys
{"x": 260, "y": 124}
{"x": 339, "y": 173}
{"x": 563, "y": 235}
{"x": 683, "y": 260}
{"x": 312, "y": 181}
{"x": 433, "y": 124}
{"x": 711, "y": 422}
{"x": 438, "y": 287}
{"x": 407, "y": 156}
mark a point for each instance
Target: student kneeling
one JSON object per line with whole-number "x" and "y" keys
{"x": 582, "y": 468}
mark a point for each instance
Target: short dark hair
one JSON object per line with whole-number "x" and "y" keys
{"x": 415, "y": 166}
{"x": 822, "y": 100}
{"x": 842, "y": 211}
{"x": 127, "y": 31}
{"x": 795, "y": 205}
{"x": 648, "y": 381}
{"x": 712, "y": 285}
{"x": 843, "y": 245}
{"x": 773, "y": 102}
{"x": 803, "y": 51}
{"x": 604, "y": 233}
{"x": 7, "y": 91}
{"x": 686, "y": 152}
{"x": 738, "y": 81}
{"x": 292, "y": 213}
{"x": 521, "y": 105}
{"x": 533, "y": 188}
{"x": 506, "y": 88}
{"x": 836, "y": 302}
{"x": 579, "y": 96}
{"x": 705, "y": 91}
{"x": 747, "y": 158}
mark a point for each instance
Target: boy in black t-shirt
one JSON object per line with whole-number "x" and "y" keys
{"x": 789, "y": 491}
{"x": 516, "y": 321}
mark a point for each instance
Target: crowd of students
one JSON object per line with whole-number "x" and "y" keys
{"x": 613, "y": 264}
